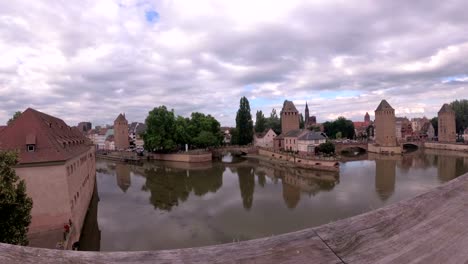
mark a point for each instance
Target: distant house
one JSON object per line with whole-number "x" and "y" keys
{"x": 58, "y": 165}
{"x": 226, "y": 131}
{"x": 290, "y": 139}
{"x": 265, "y": 139}
{"x": 309, "y": 140}
{"x": 109, "y": 143}
{"x": 135, "y": 132}
{"x": 427, "y": 131}
{"x": 465, "y": 135}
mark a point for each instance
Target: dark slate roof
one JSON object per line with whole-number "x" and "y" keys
{"x": 289, "y": 106}
{"x": 446, "y": 109}
{"x": 425, "y": 127}
{"x": 137, "y": 128}
{"x": 120, "y": 118}
{"x": 311, "y": 135}
{"x": 384, "y": 105}
{"x": 54, "y": 139}
{"x": 294, "y": 133}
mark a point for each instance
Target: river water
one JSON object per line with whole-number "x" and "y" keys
{"x": 167, "y": 205}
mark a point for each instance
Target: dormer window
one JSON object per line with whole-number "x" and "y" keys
{"x": 31, "y": 142}
{"x": 31, "y": 147}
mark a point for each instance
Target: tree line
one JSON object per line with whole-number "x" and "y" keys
{"x": 167, "y": 132}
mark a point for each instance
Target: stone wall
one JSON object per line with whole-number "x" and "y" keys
{"x": 319, "y": 164}
{"x": 446, "y": 146}
{"x": 384, "y": 150}
{"x": 182, "y": 157}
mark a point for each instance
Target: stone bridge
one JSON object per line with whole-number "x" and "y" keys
{"x": 429, "y": 228}
{"x": 339, "y": 147}
{"x": 219, "y": 152}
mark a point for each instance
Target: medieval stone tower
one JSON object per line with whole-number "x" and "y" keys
{"x": 385, "y": 134}
{"x": 121, "y": 133}
{"x": 289, "y": 117}
{"x": 446, "y": 118}
{"x": 367, "y": 118}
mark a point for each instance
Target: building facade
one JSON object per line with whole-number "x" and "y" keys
{"x": 58, "y": 165}
{"x": 385, "y": 134}
{"x": 265, "y": 140}
{"x": 309, "y": 140}
{"x": 446, "y": 118}
{"x": 121, "y": 136}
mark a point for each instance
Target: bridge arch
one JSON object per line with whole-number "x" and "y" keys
{"x": 410, "y": 145}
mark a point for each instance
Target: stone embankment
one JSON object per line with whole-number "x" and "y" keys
{"x": 429, "y": 228}
{"x": 446, "y": 146}
{"x": 290, "y": 160}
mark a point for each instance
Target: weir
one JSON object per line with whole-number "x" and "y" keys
{"x": 429, "y": 228}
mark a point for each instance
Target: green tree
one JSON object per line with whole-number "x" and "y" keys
{"x": 338, "y": 135}
{"x": 326, "y": 148}
{"x": 199, "y": 123}
{"x": 15, "y": 205}
{"x": 260, "y": 122}
{"x": 274, "y": 122}
{"x": 314, "y": 128}
{"x": 435, "y": 124}
{"x": 15, "y": 116}
{"x": 160, "y": 132}
{"x": 244, "y": 123}
{"x": 182, "y": 136}
{"x": 461, "y": 114}
{"x": 206, "y": 139}
{"x": 341, "y": 124}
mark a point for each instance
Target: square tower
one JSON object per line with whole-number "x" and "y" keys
{"x": 121, "y": 133}
{"x": 289, "y": 117}
{"x": 385, "y": 125}
{"x": 446, "y": 118}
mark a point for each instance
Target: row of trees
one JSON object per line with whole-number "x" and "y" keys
{"x": 340, "y": 128}
{"x": 167, "y": 132}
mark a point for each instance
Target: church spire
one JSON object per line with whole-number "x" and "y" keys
{"x": 306, "y": 114}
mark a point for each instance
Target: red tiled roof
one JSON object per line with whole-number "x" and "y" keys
{"x": 2, "y": 127}
{"x": 360, "y": 124}
{"x": 54, "y": 139}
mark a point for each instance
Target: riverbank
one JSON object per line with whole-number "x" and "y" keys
{"x": 446, "y": 146}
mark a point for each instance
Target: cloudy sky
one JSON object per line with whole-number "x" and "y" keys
{"x": 89, "y": 60}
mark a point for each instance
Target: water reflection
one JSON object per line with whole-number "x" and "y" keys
{"x": 385, "y": 171}
{"x": 90, "y": 239}
{"x": 122, "y": 172}
{"x": 170, "y": 186}
{"x": 218, "y": 202}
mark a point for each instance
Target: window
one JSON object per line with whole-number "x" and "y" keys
{"x": 31, "y": 147}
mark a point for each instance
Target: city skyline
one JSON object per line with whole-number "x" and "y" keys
{"x": 91, "y": 61}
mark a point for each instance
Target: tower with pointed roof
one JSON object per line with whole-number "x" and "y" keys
{"x": 306, "y": 121}
{"x": 446, "y": 118}
{"x": 367, "y": 118}
{"x": 121, "y": 133}
{"x": 385, "y": 134}
{"x": 289, "y": 117}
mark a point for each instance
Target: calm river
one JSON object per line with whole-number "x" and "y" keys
{"x": 165, "y": 205}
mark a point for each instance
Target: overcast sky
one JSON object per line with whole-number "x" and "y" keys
{"x": 90, "y": 60}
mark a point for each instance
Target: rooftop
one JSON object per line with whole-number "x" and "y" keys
{"x": 384, "y": 105}
{"x": 311, "y": 135}
{"x": 54, "y": 140}
{"x": 446, "y": 109}
{"x": 289, "y": 106}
